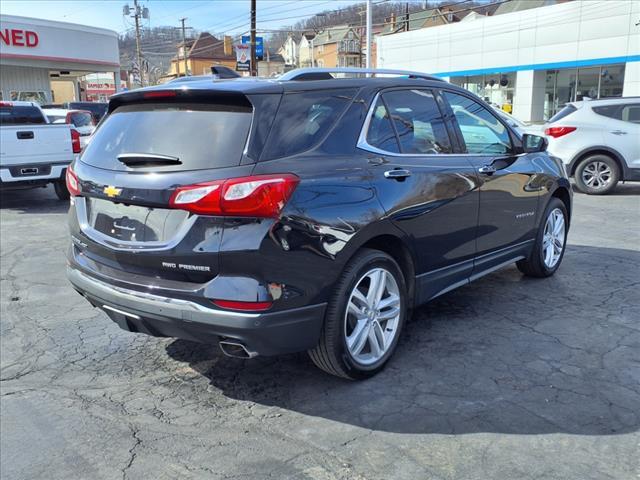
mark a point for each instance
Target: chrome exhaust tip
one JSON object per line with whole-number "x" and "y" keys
{"x": 236, "y": 350}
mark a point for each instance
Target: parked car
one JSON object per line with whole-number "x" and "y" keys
{"x": 275, "y": 216}
{"x": 97, "y": 109}
{"x": 599, "y": 142}
{"x": 34, "y": 153}
{"x": 80, "y": 120}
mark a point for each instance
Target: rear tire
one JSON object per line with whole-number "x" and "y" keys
{"x": 597, "y": 174}
{"x": 550, "y": 244}
{"x": 364, "y": 317}
{"x": 60, "y": 187}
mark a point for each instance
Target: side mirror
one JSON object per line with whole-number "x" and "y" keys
{"x": 534, "y": 143}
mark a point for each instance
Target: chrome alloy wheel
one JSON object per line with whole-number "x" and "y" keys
{"x": 372, "y": 316}
{"x": 553, "y": 238}
{"x": 597, "y": 175}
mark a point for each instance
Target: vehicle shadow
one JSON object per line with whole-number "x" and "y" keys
{"x": 506, "y": 354}
{"x": 622, "y": 189}
{"x": 33, "y": 200}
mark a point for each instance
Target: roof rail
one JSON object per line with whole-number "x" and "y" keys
{"x": 316, "y": 73}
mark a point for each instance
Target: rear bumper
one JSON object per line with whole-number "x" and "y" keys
{"x": 268, "y": 333}
{"x": 12, "y": 176}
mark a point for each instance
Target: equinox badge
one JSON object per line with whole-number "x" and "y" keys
{"x": 111, "y": 191}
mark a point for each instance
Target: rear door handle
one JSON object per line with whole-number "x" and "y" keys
{"x": 397, "y": 174}
{"x": 619, "y": 132}
{"x": 487, "y": 169}
{"x": 24, "y": 135}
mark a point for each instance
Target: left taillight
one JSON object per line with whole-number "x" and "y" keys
{"x": 73, "y": 185}
{"x": 261, "y": 196}
{"x": 75, "y": 141}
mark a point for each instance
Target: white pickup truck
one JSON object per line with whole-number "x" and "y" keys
{"x": 34, "y": 152}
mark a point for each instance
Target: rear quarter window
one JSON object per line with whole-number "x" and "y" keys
{"x": 625, "y": 112}
{"x": 304, "y": 119}
{"x": 199, "y": 136}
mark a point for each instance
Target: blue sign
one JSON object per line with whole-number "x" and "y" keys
{"x": 246, "y": 39}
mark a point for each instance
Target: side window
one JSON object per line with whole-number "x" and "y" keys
{"x": 626, "y": 113}
{"x": 418, "y": 121}
{"x": 303, "y": 120}
{"x": 481, "y": 130}
{"x": 381, "y": 134}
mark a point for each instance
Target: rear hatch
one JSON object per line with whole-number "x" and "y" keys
{"x": 137, "y": 157}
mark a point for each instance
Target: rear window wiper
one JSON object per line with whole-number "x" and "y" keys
{"x": 147, "y": 159}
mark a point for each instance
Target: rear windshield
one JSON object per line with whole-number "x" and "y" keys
{"x": 81, "y": 119}
{"x": 199, "y": 136}
{"x": 20, "y": 115}
{"x": 568, "y": 110}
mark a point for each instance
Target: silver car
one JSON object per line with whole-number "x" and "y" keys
{"x": 598, "y": 141}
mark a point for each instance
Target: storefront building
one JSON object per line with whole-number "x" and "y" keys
{"x": 534, "y": 61}
{"x": 39, "y": 58}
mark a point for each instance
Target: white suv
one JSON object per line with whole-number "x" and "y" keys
{"x": 599, "y": 142}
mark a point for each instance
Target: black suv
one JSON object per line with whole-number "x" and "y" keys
{"x": 308, "y": 212}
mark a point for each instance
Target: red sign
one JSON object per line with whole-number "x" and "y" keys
{"x": 19, "y": 38}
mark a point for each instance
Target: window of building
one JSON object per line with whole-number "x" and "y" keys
{"x": 417, "y": 121}
{"x": 483, "y": 133}
{"x": 495, "y": 88}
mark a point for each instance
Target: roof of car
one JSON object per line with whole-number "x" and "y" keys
{"x": 605, "y": 101}
{"x": 62, "y": 111}
{"x": 308, "y": 79}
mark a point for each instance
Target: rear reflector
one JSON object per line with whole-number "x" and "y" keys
{"x": 556, "y": 132}
{"x": 73, "y": 185}
{"x": 255, "y": 196}
{"x": 75, "y": 141}
{"x": 243, "y": 306}
{"x": 159, "y": 94}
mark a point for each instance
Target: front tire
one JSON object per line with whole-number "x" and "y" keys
{"x": 60, "y": 188}
{"x": 364, "y": 317}
{"x": 550, "y": 244}
{"x": 597, "y": 175}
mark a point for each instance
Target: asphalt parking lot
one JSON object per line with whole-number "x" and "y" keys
{"x": 507, "y": 378}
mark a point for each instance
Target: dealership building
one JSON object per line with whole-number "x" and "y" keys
{"x": 43, "y": 61}
{"x": 533, "y": 61}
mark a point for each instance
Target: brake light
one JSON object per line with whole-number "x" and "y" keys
{"x": 159, "y": 94}
{"x": 6, "y": 104}
{"x": 73, "y": 185}
{"x": 255, "y": 196}
{"x": 556, "y": 132}
{"x": 243, "y": 306}
{"x": 75, "y": 141}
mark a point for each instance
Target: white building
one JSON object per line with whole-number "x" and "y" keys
{"x": 290, "y": 51}
{"x": 34, "y": 53}
{"x": 533, "y": 61}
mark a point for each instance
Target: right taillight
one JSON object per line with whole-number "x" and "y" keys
{"x": 261, "y": 196}
{"x": 75, "y": 141}
{"x": 73, "y": 185}
{"x": 556, "y": 132}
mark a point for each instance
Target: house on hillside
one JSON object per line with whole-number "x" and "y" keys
{"x": 305, "y": 49}
{"x": 337, "y": 47}
{"x": 290, "y": 50}
{"x": 202, "y": 53}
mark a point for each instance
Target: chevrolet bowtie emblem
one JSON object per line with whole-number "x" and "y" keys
{"x": 111, "y": 191}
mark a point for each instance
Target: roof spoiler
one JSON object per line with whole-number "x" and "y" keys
{"x": 328, "y": 73}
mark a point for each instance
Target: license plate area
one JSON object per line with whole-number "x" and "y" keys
{"x": 134, "y": 223}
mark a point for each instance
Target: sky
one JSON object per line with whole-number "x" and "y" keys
{"x": 217, "y": 16}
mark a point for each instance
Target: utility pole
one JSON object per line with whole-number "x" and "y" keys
{"x": 136, "y": 15}
{"x": 254, "y": 66}
{"x": 184, "y": 47}
{"x": 369, "y": 33}
{"x": 406, "y": 16}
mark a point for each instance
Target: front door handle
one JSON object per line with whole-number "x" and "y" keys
{"x": 487, "y": 169}
{"x": 619, "y": 132}
{"x": 397, "y": 174}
